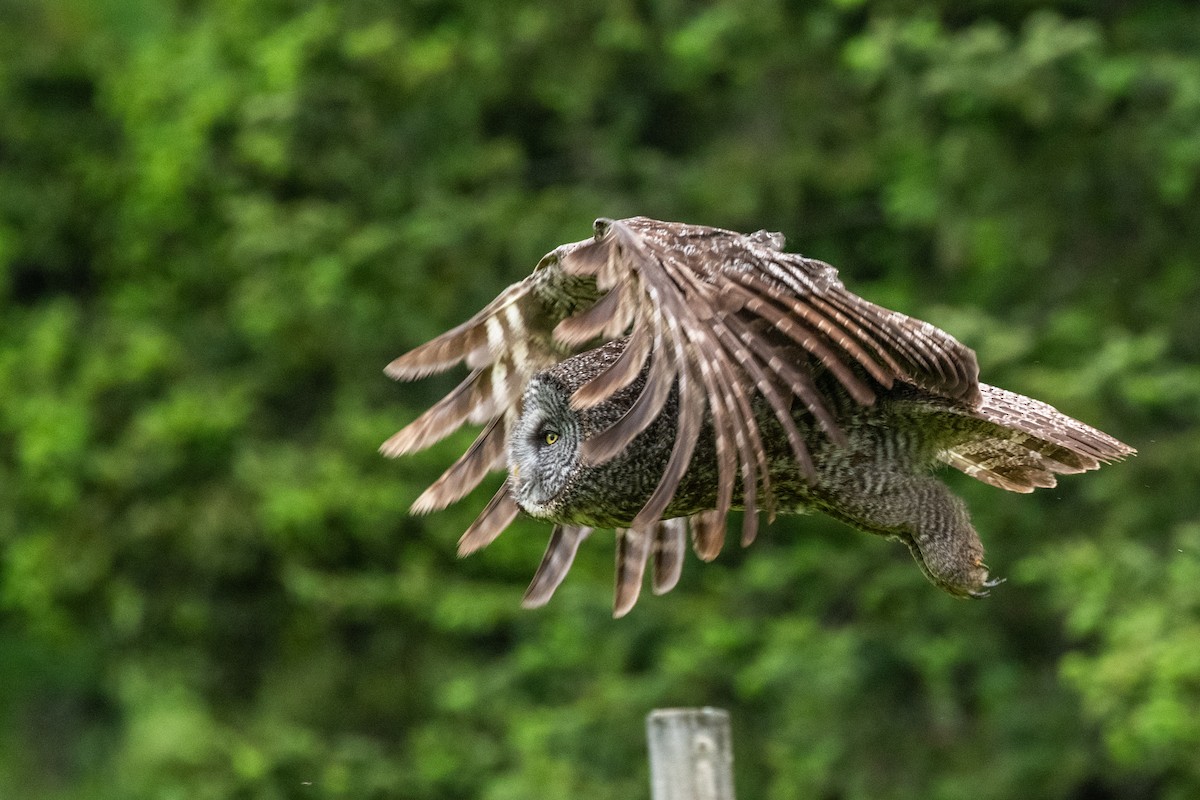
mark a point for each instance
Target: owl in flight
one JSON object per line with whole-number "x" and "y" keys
{"x": 657, "y": 375}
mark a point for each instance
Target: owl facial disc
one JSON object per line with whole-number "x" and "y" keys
{"x": 543, "y": 449}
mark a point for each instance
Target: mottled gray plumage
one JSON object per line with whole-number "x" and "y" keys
{"x": 729, "y": 374}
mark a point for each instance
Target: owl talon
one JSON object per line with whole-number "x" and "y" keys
{"x": 987, "y": 587}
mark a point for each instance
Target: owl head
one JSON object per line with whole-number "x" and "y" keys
{"x": 549, "y": 474}
{"x": 543, "y": 448}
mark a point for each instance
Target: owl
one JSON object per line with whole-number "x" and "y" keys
{"x": 657, "y": 375}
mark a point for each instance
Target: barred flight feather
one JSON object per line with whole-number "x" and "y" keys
{"x": 670, "y": 538}
{"x": 633, "y": 551}
{"x": 643, "y": 411}
{"x": 444, "y": 417}
{"x": 497, "y": 515}
{"x": 690, "y": 418}
{"x": 485, "y": 454}
{"x": 708, "y": 534}
{"x": 560, "y": 554}
{"x": 443, "y": 352}
{"x": 782, "y": 409}
{"x": 620, "y": 373}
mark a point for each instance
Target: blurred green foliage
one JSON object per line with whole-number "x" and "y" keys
{"x": 220, "y": 218}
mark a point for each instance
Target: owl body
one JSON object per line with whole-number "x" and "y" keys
{"x": 877, "y": 480}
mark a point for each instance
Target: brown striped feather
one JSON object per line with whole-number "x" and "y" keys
{"x": 712, "y": 337}
{"x": 808, "y": 309}
{"x": 633, "y": 551}
{"x": 863, "y": 334}
{"x": 670, "y": 544}
{"x": 691, "y": 416}
{"x": 782, "y": 409}
{"x": 605, "y": 257}
{"x": 620, "y": 373}
{"x": 691, "y": 400}
{"x": 724, "y": 435}
{"x": 603, "y": 446}
{"x": 733, "y": 425}
{"x": 935, "y": 360}
{"x": 708, "y": 533}
{"x": 779, "y": 365}
{"x": 749, "y": 525}
{"x": 592, "y": 321}
{"x": 485, "y": 454}
{"x": 876, "y": 320}
{"x": 924, "y": 336}
{"x": 1046, "y": 423}
{"x": 754, "y": 465}
{"x": 440, "y": 354}
{"x": 453, "y": 346}
{"x": 443, "y": 418}
{"x": 814, "y": 332}
{"x": 983, "y": 473}
{"x": 715, "y": 374}
{"x": 560, "y": 554}
{"x": 499, "y": 513}
{"x": 1023, "y": 443}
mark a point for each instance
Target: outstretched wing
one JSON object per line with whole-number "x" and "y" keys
{"x": 505, "y": 344}
{"x": 727, "y": 316}
{"x": 721, "y": 315}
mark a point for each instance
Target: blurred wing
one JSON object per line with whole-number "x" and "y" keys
{"x": 504, "y": 344}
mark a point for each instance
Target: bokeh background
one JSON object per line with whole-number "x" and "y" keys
{"x": 219, "y": 219}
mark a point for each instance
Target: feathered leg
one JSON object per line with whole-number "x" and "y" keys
{"x": 921, "y": 512}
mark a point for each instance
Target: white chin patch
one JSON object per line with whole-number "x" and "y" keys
{"x": 521, "y": 495}
{"x": 535, "y": 510}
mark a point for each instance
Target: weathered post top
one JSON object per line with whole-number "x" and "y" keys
{"x": 691, "y": 754}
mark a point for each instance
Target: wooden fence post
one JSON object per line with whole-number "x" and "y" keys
{"x": 691, "y": 754}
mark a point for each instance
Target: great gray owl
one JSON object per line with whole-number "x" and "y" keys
{"x": 657, "y": 375}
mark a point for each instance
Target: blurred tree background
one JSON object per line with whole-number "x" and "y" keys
{"x": 219, "y": 219}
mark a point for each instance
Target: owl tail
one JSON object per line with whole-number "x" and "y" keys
{"x": 1020, "y": 444}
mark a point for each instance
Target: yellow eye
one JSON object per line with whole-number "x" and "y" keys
{"x": 551, "y": 437}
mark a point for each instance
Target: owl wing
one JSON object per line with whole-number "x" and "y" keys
{"x": 725, "y": 316}
{"x": 504, "y": 345}
{"x": 722, "y": 316}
